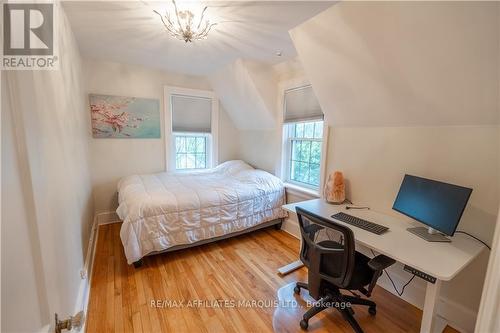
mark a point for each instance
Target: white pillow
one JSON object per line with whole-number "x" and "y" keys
{"x": 232, "y": 167}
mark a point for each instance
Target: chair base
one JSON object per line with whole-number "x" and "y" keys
{"x": 333, "y": 298}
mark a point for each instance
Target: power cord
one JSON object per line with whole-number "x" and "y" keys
{"x": 355, "y": 207}
{"x": 466, "y": 233}
{"x": 394, "y": 285}
{"x": 392, "y": 282}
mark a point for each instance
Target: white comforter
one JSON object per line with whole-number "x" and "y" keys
{"x": 168, "y": 209}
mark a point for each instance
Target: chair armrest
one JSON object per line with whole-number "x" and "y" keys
{"x": 380, "y": 262}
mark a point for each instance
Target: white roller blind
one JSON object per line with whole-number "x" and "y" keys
{"x": 191, "y": 114}
{"x": 301, "y": 104}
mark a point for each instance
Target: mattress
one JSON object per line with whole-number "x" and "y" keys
{"x": 163, "y": 210}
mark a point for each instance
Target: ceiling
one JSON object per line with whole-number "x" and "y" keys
{"x": 129, "y": 32}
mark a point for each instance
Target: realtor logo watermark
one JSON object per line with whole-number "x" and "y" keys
{"x": 29, "y": 37}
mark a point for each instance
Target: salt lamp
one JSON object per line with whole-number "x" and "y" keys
{"x": 335, "y": 188}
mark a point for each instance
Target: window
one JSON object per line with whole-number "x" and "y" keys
{"x": 191, "y": 123}
{"x": 191, "y": 151}
{"x": 304, "y": 156}
{"x": 302, "y": 138}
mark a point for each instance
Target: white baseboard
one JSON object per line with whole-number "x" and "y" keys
{"x": 82, "y": 302}
{"x": 107, "y": 217}
{"x": 458, "y": 316}
{"x": 292, "y": 227}
{"x": 83, "y": 297}
{"x": 46, "y": 329}
{"x": 461, "y": 318}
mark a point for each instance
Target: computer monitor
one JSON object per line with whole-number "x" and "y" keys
{"x": 436, "y": 204}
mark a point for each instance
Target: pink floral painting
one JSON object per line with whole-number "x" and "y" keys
{"x": 124, "y": 117}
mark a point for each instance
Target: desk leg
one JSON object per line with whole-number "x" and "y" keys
{"x": 430, "y": 322}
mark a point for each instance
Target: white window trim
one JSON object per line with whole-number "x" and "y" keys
{"x": 287, "y": 148}
{"x": 169, "y": 134}
{"x": 301, "y": 192}
{"x": 283, "y": 167}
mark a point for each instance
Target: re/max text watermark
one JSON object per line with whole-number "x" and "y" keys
{"x": 241, "y": 303}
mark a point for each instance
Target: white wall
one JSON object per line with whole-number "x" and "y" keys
{"x": 289, "y": 70}
{"x": 20, "y": 283}
{"x": 259, "y": 148}
{"x": 228, "y": 137}
{"x": 46, "y": 200}
{"x": 112, "y": 159}
{"x": 247, "y": 90}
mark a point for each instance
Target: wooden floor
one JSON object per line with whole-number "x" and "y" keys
{"x": 228, "y": 286}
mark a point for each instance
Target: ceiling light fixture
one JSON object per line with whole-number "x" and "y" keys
{"x": 181, "y": 24}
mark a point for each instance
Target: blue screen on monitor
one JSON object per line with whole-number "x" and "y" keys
{"x": 436, "y": 204}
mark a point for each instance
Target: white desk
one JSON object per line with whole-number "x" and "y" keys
{"x": 441, "y": 260}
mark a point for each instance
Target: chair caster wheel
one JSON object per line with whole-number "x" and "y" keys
{"x": 304, "y": 324}
{"x": 296, "y": 290}
{"x": 372, "y": 310}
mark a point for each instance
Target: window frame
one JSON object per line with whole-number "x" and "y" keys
{"x": 284, "y": 169}
{"x": 208, "y": 144}
{"x": 213, "y": 136}
{"x": 288, "y": 154}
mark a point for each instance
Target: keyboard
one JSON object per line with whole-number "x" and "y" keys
{"x": 360, "y": 223}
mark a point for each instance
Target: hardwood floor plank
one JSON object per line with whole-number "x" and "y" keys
{"x": 237, "y": 271}
{"x": 120, "y": 319}
{"x": 141, "y": 300}
{"x": 133, "y": 300}
{"x": 110, "y": 292}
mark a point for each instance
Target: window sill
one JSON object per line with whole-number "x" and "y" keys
{"x": 301, "y": 191}
{"x": 187, "y": 171}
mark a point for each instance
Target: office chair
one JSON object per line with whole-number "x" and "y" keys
{"x": 328, "y": 251}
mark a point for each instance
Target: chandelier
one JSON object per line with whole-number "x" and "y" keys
{"x": 182, "y": 25}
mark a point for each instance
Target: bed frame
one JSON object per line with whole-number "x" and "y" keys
{"x": 276, "y": 223}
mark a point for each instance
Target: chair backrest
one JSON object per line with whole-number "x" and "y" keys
{"x": 328, "y": 249}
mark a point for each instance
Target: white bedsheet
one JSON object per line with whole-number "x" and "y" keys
{"x": 163, "y": 210}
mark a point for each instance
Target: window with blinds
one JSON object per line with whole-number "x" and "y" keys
{"x": 191, "y": 128}
{"x": 303, "y": 137}
{"x": 301, "y": 104}
{"x": 191, "y": 114}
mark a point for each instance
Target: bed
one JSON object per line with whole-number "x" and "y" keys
{"x": 168, "y": 211}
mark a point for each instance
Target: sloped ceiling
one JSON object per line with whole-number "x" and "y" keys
{"x": 248, "y": 92}
{"x": 404, "y": 64}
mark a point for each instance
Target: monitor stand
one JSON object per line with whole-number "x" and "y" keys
{"x": 429, "y": 234}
